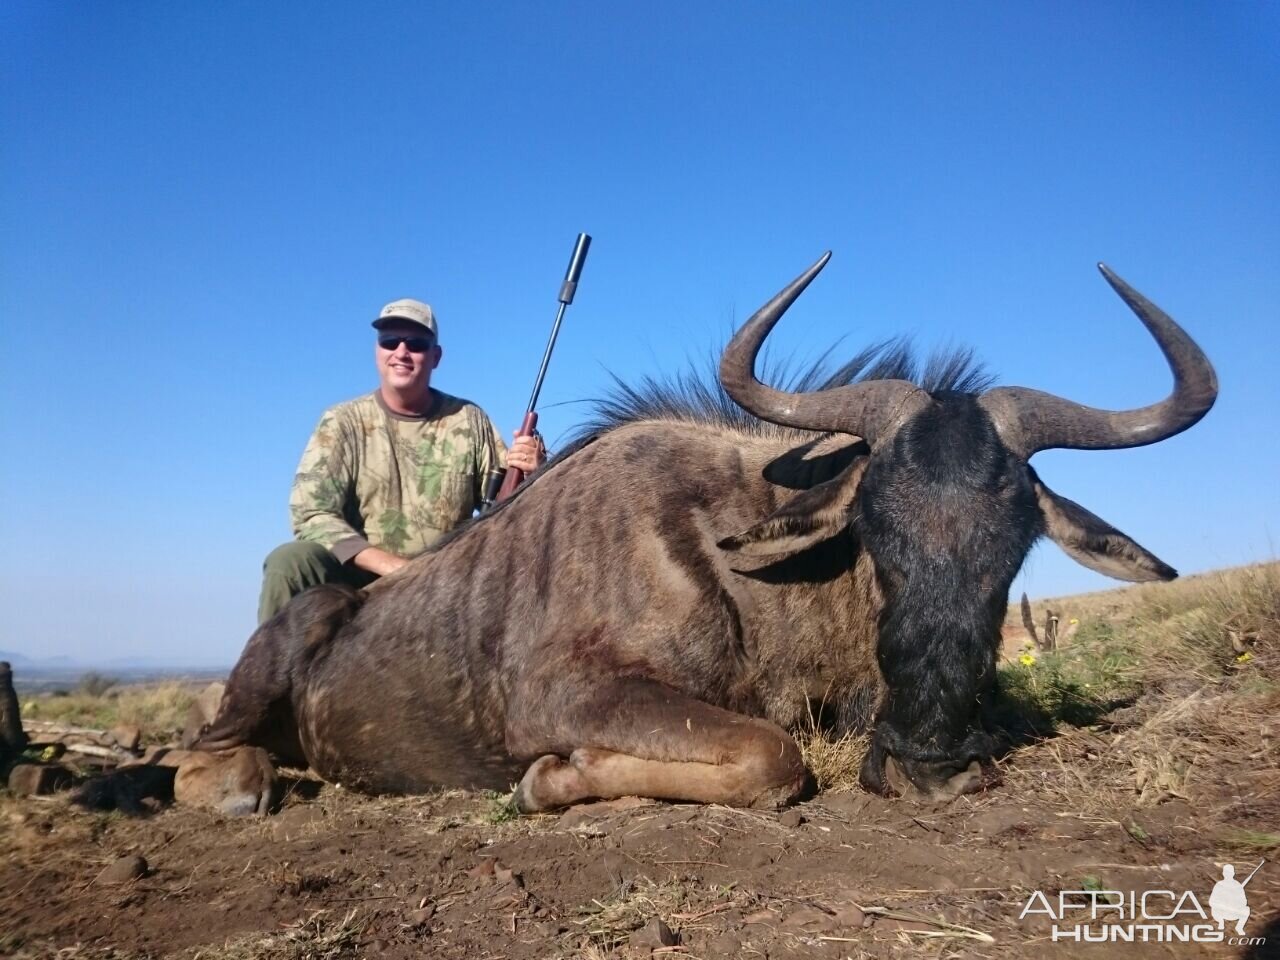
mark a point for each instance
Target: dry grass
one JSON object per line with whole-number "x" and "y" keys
{"x": 1198, "y": 664}
{"x": 607, "y": 924}
{"x": 1200, "y": 610}
{"x": 631, "y": 907}
{"x": 158, "y": 709}
{"x": 833, "y": 761}
{"x": 325, "y": 935}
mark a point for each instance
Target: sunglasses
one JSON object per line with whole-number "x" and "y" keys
{"x": 392, "y": 341}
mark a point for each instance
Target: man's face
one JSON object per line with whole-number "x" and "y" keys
{"x": 406, "y": 366}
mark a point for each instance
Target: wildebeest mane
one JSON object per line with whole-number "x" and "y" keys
{"x": 694, "y": 395}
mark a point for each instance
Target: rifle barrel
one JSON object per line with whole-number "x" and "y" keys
{"x": 1255, "y": 870}
{"x": 546, "y": 359}
{"x": 567, "y": 291}
{"x": 514, "y": 476}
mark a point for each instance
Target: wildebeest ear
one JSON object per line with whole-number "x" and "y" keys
{"x": 808, "y": 518}
{"x": 1091, "y": 541}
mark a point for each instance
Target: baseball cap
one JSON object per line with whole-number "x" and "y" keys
{"x": 413, "y": 311}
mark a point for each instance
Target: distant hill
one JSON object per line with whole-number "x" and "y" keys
{"x": 64, "y": 666}
{"x": 19, "y": 659}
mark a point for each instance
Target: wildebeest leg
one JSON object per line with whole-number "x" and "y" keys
{"x": 238, "y": 783}
{"x": 257, "y": 707}
{"x": 642, "y": 738}
{"x": 229, "y": 768}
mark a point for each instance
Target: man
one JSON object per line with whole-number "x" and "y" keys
{"x": 386, "y": 475}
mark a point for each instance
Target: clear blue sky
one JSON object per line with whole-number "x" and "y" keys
{"x": 204, "y": 204}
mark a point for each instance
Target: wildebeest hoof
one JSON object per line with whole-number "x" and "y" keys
{"x": 550, "y": 782}
{"x": 782, "y": 796}
{"x": 968, "y": 780}
{"x": 238, "y": 783}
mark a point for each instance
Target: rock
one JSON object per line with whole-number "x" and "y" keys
{"x": 127, "y": 737}
{"x": 39, "y": 779}
{"x": 653, "y": 935}
{"x": 791, "y": 818}
{"x": 13, "y": 739}
{"x": 124, "y": 870}
{"x": 210, "y": 698}
{"x": 203, "y": 710}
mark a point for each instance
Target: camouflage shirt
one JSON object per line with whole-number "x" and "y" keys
{"x": 371, "y": 477}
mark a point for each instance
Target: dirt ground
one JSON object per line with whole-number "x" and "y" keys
{"x": 1156, "y": 795}
{"x": 845, "y": 875}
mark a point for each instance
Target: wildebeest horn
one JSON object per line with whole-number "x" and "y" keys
{"x": 1029, "y": 420}
{"x": 862, "y": 409}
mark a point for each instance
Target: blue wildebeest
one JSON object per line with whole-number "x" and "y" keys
{"x": 654, "y": 610}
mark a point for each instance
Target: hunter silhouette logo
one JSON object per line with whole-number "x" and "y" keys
{"x": 1228, "y": 901}
{"x": 1151, "y": 916}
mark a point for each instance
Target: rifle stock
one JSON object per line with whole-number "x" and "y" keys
{"x": 514, "y": 475}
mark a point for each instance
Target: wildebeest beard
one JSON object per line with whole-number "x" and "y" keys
{"x": 947, "y": 516}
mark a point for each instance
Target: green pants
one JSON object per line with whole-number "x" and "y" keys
{"x": 293, "y": 567}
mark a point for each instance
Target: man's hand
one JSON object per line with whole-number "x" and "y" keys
{"x": 377, "y": 561}
{"x": 527, "y": 454}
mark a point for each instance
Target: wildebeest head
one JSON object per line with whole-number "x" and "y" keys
{"x": 947, "y": 506}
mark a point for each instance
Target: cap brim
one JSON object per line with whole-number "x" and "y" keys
{"x": 384, "y": 321}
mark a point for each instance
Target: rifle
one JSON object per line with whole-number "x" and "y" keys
{"x": 514, "y": 476}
